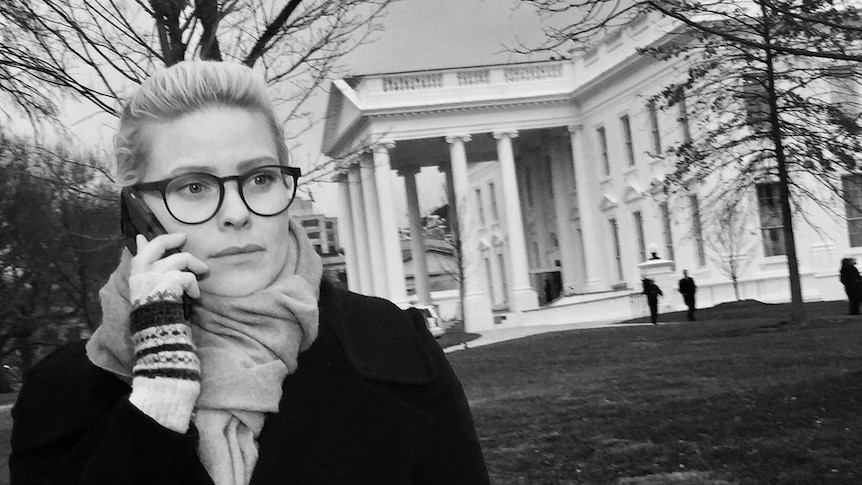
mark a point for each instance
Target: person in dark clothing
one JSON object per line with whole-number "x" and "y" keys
{"x": 224, "y": 357}
{"x": 688, "y": 289}
{"x": 852, "y": 282}
{"x": 652, "y": 292}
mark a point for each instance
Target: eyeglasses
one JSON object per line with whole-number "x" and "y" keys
{"x": 194, "y": 198}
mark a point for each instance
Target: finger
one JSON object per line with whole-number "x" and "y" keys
{"x": 139, "y": 264}
{"x": 156, "y": 248}
{"x": 180, "y": 262}
{"x": 140, "y": 242}
{"x": 190, "y": 284}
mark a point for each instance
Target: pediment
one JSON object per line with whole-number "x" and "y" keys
{"x": 632, "y": 193}
{"x": 343, "y": 113}
{"x": 608, "y": 202}
{"x": 656, "y": 185}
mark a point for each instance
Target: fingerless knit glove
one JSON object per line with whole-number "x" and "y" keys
{"x": 166, "y": 374}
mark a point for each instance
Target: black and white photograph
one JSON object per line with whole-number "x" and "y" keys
{"x": 430, "y": 242}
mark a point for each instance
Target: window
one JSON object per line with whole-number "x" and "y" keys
{"x": 853, "y": 206}
{"x": 504, "y": 283}
{"x": 697, "y": 230}
{"x": 653, "y": 126}
{"x": 756, "y": 99}
{"x": 480, "y": 207}
{"x": 618, "y": 257}
{"x": 493, "y": 194}
{"x": 490, "y": 279}
{"x": 627, "y": 138}
{"x": 603, "y": 146}
{"x": 528, "y": 182}
{"x": 683, "y": 114}
{"x": 771, "y": 219}
{"x": 668, "y": 236}
{"x": 639, "y": 227}
{"x": 844, "y": 87}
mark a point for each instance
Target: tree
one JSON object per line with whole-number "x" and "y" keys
{"x": 99, "y": 49}
{"x": 763, "y": 75}
{"x": 731, "y": 241}
{"x": 58, "y": 244}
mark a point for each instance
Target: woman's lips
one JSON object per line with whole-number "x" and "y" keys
{"x": 237, "y": 250}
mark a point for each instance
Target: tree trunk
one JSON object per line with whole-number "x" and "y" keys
{"x": 797, "y": 308}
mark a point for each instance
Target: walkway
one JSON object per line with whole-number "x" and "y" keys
{"x": 512, "y": 333}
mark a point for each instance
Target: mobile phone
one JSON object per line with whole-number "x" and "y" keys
{"x": 137, "y": 218}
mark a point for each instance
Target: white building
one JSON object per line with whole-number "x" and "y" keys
{"x": 552, "y": 167}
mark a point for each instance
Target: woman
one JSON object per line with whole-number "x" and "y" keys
{"x": 852, "y": 282}
{"x": 277, "y": 377}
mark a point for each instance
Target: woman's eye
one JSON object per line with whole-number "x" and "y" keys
{"x": 263, "y": 178}
{"x": 193, "y": 188}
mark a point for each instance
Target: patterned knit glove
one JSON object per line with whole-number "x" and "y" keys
{"x": 166, "y": 374}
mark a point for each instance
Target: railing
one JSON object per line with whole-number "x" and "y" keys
{"x": 419, "y": 81}
{"x": 533, "y": 72}
{"x": 472, "y": 78}
{"x": 638, "y": 305}
{"x": 413, "y": 82}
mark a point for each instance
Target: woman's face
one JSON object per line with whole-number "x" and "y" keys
{"x": 223, "y": 142}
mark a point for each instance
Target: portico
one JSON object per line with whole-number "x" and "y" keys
{"x": 384, "y": 130}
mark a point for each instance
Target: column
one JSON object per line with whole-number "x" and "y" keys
{"x": 417, "y": 238}
{"x": 372, "y": 220}
{"x": 360, "y": 231}
{"x": 321, "y": 229}
{"x": 563, "y": 181}
{"x": 389, "y": 225}
{"x": 587, "y": 212}
{"x": 346, "y": 233}
{"x": 476, "y": 306}
{"x": 523, "y": 295}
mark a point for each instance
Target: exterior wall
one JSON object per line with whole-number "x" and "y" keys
{"x": 587, "y": 93}
{"x": 486, "y": 189}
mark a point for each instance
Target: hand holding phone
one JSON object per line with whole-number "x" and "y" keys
{"x": 155, "y": 250}
{"x": 136, "y": 220}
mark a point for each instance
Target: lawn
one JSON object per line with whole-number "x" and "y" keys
{"x": 747, "y": 400}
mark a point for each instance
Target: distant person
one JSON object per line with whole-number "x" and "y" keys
{"x": 652, "y": 292}
{"x": 852, "y": 284}
{"x": 688, "y": 289}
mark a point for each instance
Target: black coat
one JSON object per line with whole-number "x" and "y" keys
{"x": 374, "y": 401}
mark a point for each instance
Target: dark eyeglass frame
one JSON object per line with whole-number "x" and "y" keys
{"x": 162, "y": 185}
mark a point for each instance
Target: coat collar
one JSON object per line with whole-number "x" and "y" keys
{"x": 329, "y": 410}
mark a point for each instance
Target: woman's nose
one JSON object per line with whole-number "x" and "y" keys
{"x": 233, "y": 212}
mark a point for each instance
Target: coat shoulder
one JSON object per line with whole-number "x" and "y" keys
{"x": 62, "y": 394}
{"x": 386, "y": 343}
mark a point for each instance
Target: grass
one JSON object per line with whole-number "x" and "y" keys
{"x": 745, "y": 401}
{"x": 455, "y": 335}
{"x": 735, "y": 398}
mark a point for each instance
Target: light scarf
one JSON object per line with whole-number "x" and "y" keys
{"x": 247, "y": 346}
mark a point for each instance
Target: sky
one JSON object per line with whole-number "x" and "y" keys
{"x": 429, "y": 34}
{"x": 415, "y": 35}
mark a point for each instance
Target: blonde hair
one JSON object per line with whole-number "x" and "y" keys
{"x": 183, "y": 89}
